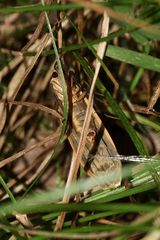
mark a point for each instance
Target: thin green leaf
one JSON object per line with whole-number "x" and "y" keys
{"x": 132, "y": 57}
{"x": 39, "y": 8}
{"x": 63, "y": 82}
{"x": 2, "y": 182}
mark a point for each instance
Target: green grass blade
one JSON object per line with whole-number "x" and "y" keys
{"x": 42, "y": 201}
{"x": 63, "y": 82}
{"x": 132, "y": 57}
{"x": 4, "y": 185}
{"x": 39, "y": 8}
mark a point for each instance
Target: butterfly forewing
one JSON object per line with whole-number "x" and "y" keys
{"x": 98, "y": 142}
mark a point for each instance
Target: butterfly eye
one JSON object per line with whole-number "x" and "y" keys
{"x": 54, "y": 74}
{"x": 91, "y": 135}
